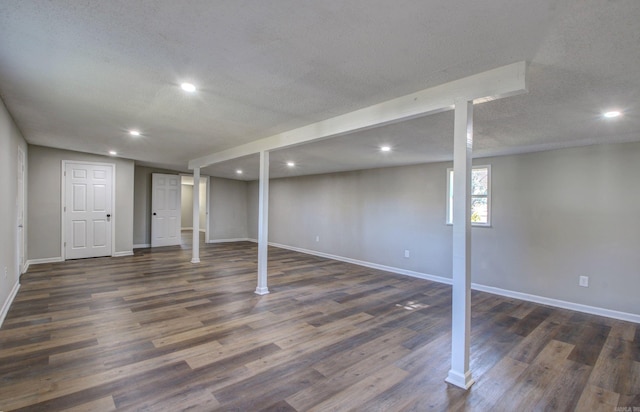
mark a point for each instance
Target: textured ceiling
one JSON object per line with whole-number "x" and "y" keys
{"x": 79, "y": 74}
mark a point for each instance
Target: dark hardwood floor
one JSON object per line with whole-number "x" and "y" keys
{"x": 155, "y": 332}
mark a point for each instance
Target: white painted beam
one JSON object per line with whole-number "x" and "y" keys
{"x": 195, "y": 249}
{"x": 263, "y": 223}
{"x": 490, "y": 85}
{"x": 459, "y": 374}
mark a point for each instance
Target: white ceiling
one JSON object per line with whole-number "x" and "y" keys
{"x": 79, "y": 74}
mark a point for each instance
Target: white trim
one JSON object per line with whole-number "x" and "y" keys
{"x": 123, "y": 253}
{"x": 21, "y": 260}
{"x": 63, "y": 200}
{"x": 578, "y": 307}
{"x": 190, "y": 228}
{"x": 195, "y": 203}
{"x": 25, "y": 267}
{"x": 399, "y": 271}
{"x": 142, "y": 246}
{"x": 207, "y": 229}
{"x": 593, "y": 310}
{"x": 448, "y": 214}
{"x": 463, "y": 381}
{"x": 44, "y": 260}
{"x": 263, "y": 223}
{"x": 242, "y": 239}
{"x": 8, "y": 302}
{"x": 505, "y": 81}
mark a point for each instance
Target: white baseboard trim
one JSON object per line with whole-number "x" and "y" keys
{"x": 578, "y": 307}
{"x": 44, "y": 260}
{"x": 25, "y": 267}
{"x": 8, "y": 302}
{"x": 243, "y": 239}
{"x": 629, "y": 317}
{"x": 142, "y": 245}
{"x": 123, "y": 253}
{"x": 190, "y": 228}
{"x": 399, "y": 271}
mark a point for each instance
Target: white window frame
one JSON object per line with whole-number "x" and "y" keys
{"x": 449, "y": 211}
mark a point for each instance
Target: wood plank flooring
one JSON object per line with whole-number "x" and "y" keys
{"x": 153, "y": 332}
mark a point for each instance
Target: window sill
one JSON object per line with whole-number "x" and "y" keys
{"x": 472, "y": 225}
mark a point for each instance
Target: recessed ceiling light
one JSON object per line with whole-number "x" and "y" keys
{"x": 113, "y": 152}
{"x": 385, "y": 148}
{"x": 612, "y": 114}
{"x": 188, "y": 87}
{"x": 134, "y": 133}
{"x": 239, "y": 171}
{"x": 291, "y": 164}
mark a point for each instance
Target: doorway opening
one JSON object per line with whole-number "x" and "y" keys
{"x": 172, "y": 210}
{"x": 186, "y": 208}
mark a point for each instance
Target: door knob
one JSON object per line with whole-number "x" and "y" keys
{"x": 154, "y": 213}
{"x": 108, "y": 214}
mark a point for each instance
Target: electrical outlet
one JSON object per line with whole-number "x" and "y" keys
{"x": 584, "y": 281}
{"x": 407, "y": 254}
{"x": 317, "y": 238}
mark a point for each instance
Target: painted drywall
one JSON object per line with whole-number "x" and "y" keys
{"x": 186, "y": 206}
{"x": 227, "y": 209}
{"x": 203, "y": 204}
{"x": 10, "y": 140}
{"x": 142, "y": 203}
{"x": 562, "y": 214}
{"x": 556, "y": 215}
{"x": 45, "y": 206}
{"x": 253, "y": 199}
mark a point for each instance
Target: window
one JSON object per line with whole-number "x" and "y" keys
{"x": 480, "y": 196}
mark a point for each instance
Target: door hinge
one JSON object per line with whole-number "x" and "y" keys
{"x": 65, "y": 208}
{"x": 65, "y": 172}
{"x": 65, "y": 244}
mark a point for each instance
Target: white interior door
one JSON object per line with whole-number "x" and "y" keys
{"x": 20, "y": 212}
{"x": 166, "y": 192}
{"x": 88, "y": 210}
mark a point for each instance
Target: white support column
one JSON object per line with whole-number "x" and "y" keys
{"x": 460, "y": 375}
{"x": 263, "y": 223}
{"x": 196, "y": 216}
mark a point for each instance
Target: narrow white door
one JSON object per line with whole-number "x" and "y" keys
{"x": 20, "y": 212}
{"x": 87, "y": 210}
{"x": 166, "y": 192}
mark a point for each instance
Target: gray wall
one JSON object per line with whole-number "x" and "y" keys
{"x": 252, "y": 209}
{"x": 561, "y": 214}
{"x": 228, "y": 209}
{"x": 44, "y": 204}
{"x": 142, "y": 203}
{"x": 10, "y": 140}
{"x": 556, "y": 215}
{"x": 187, "y": 206}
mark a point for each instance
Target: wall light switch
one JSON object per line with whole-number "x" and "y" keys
{"x": 317, "y": 238}
{"x": 584, "y": 281}
{"x": 407, "y": 254}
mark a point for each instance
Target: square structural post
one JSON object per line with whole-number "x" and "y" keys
{"x": 459, "y": 374}
{"x": 263, "y": 224}
{"x": 195, "y": 249}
